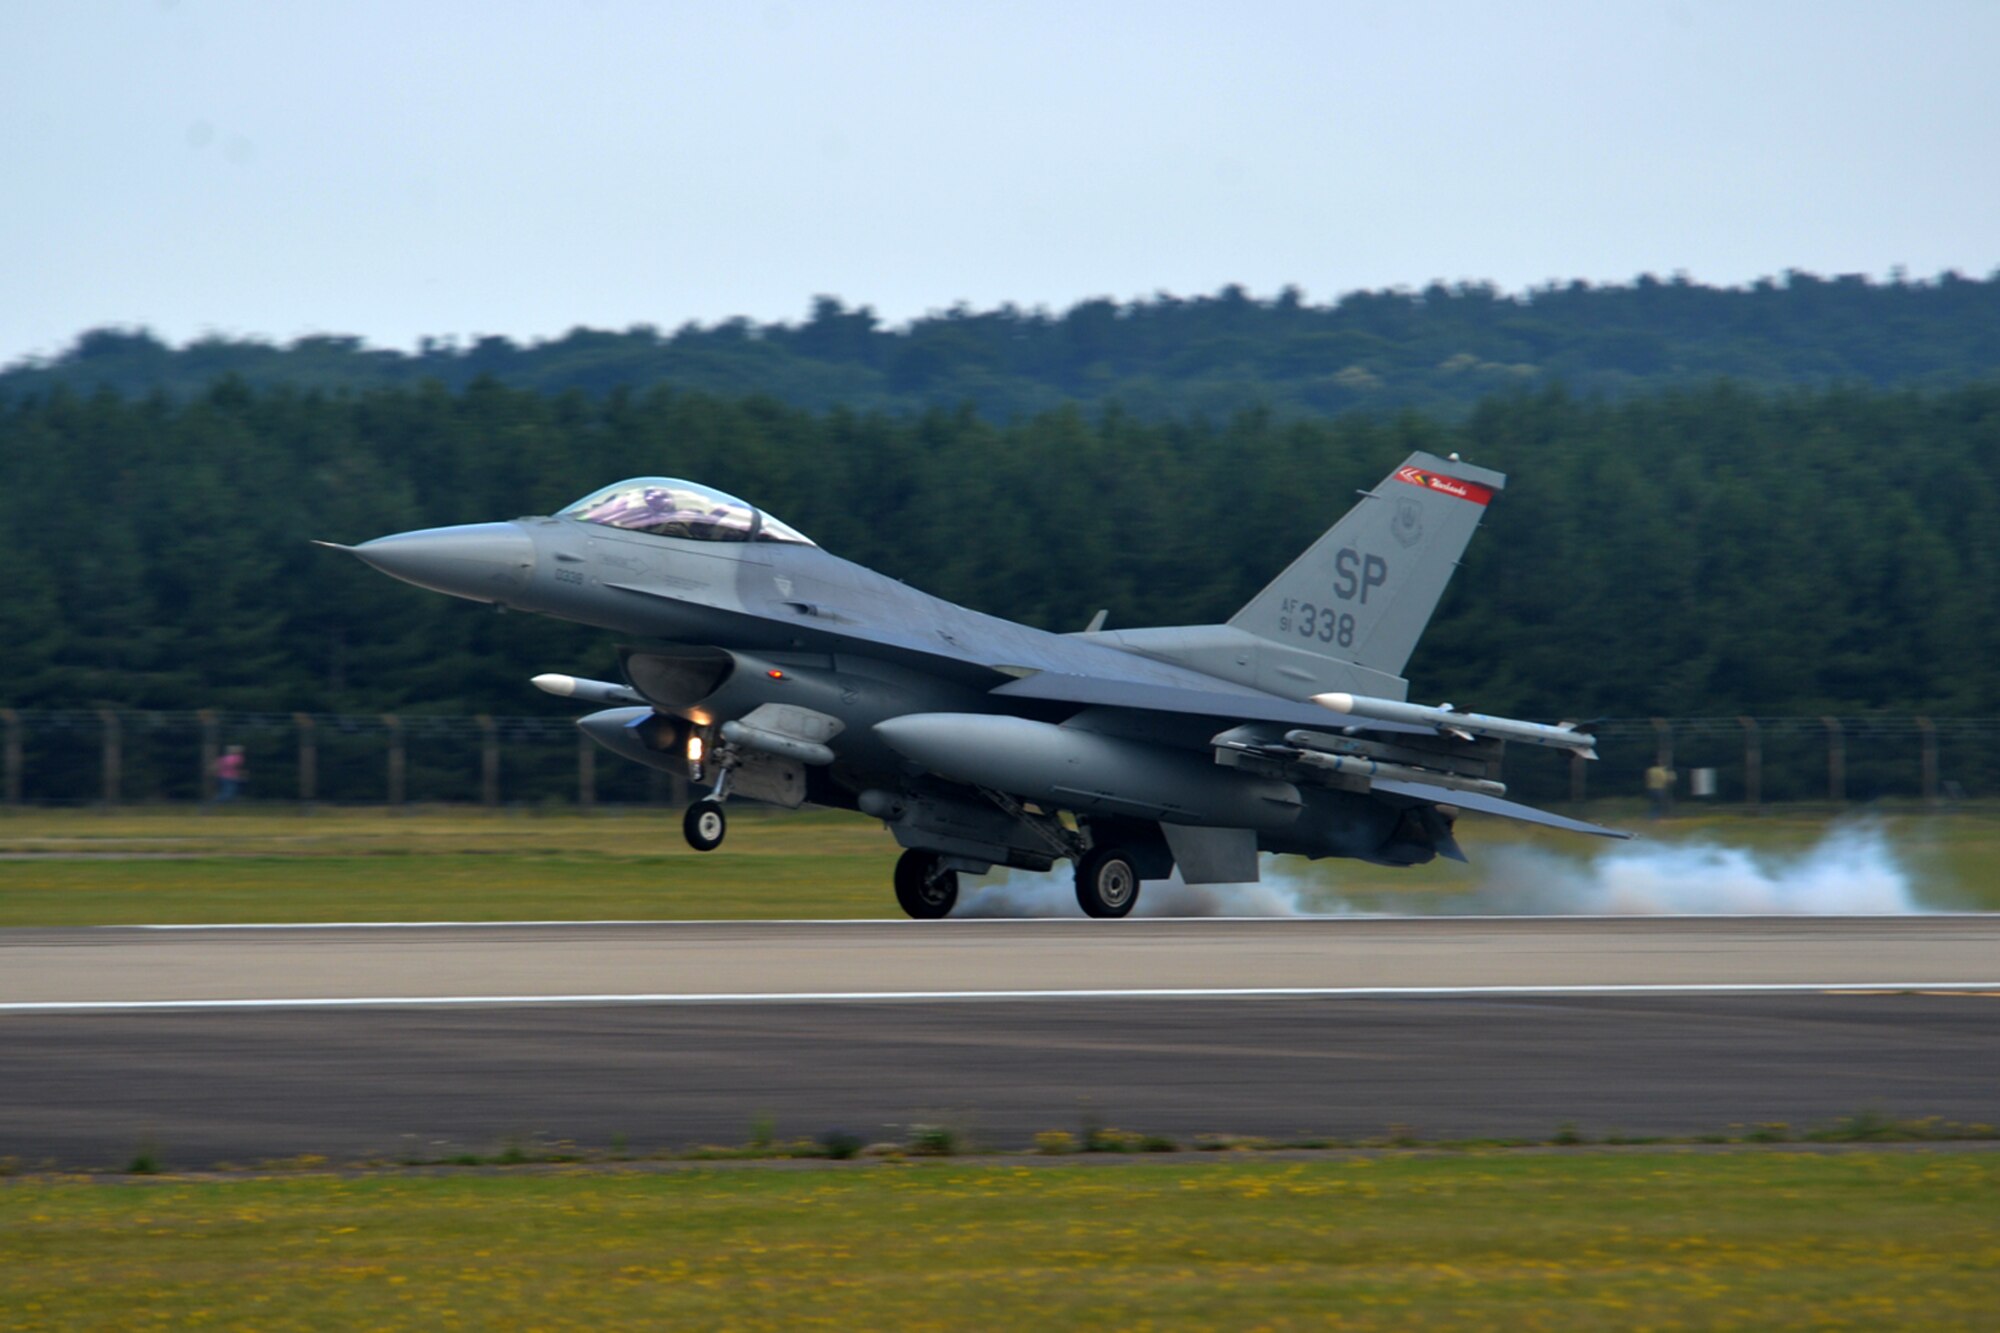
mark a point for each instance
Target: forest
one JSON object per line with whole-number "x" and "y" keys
{"x": 1709, "y": 550}
{"x": 1441, "y": 349}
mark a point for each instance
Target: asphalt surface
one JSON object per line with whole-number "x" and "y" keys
{"x": 97, "y": 966}
{"x": 424, "y": 1080}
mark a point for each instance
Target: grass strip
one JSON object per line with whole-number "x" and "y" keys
{"x": 165, "y": 865}
{"x": 1753, "y": 1240}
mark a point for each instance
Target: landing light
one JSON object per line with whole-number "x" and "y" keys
{"x": 694, "y": 749}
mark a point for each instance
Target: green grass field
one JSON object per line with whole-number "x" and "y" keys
{"x": 1402, "y": 1240}
{"x": 177, "y": 865}
{"x": 1596, "y": 1240}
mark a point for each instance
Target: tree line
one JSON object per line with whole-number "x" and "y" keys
{"x": 1442, "y": 348}
{"x": 1704, "y": 551}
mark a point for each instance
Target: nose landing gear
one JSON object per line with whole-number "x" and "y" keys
{"x": 704, "y": 825}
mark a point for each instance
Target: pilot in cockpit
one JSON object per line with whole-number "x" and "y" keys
{"x": 628, "y": 509}
{"x": 666, "y": 507}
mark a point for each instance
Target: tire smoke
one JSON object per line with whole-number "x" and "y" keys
{"x": 1853, "y": 870}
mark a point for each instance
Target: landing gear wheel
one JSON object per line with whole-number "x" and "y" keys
{"x": 924, "y": 888}
{"x": 1107, "y": 883}
{"x": 705, "y": 825}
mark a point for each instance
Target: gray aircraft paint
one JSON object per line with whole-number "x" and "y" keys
{"x": 1346, "y": 614}
{"x": 824, "y": 681}
{"x": 1364, "y": 592}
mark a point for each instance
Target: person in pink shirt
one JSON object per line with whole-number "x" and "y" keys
{"x": 230, "y": 773}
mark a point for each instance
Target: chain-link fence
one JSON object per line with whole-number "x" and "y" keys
{"x": 1752, "y": 761}
{"x": 113, "y": 757}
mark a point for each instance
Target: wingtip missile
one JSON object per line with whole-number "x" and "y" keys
{"x": 1448, "y": 719}
{"x": 589, "y": 691}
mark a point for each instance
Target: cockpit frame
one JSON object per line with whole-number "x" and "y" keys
{"x": 685, "y": 510}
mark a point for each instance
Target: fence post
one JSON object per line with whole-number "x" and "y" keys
{"x": 586, "y": 771}
{"x": 1576, "y": 777}
{"x": 1927, "y": 733}
{"x": 1663, "y": 755}
{"x": 489, "y": 761}
{"x": 113, "y": 756}
{"x": 397, "y": 758}
{"x": 13, "y": 721}
{"x": 1836, "y": 760}
{"x": 1753, "y": 763}
{"x": 211, "y": 746}
{"x": 308, "y": 759}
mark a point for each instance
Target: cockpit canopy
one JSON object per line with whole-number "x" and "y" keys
{"x": 670, "y": 507}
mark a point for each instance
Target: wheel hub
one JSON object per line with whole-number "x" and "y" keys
{"x": 1115, "y": 884}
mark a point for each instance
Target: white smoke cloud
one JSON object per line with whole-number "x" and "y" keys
{"x": 1852, "y": 870}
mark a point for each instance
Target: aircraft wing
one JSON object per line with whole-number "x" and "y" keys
{"x": 1102, "y": 692}
{"x": 1494, "y": 805}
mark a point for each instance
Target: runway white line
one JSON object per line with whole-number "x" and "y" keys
{"x": 932, "y": 997}
{"x": 1125, "y": 924}
{"x": 503, "y": 925}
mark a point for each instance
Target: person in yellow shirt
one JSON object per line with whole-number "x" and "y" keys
{"x": 1660, "y": 788}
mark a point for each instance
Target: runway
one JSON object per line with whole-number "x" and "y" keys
{"x": 419, "y": 1042}
{"x": 712, "y": 961}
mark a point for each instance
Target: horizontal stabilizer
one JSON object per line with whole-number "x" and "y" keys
{"x": 1494, "y": 805}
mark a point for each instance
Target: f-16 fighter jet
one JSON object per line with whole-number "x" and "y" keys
{"x": 764, "y": 667}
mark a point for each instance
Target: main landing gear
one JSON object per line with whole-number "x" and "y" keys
{"x": 1107, "y": 882}
{"x": 925, "y": 888}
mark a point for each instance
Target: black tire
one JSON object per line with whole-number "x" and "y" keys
{"x": 704, "y": 824}
{"x": 1107, "y": 883}
{"x": 924, "y": 888}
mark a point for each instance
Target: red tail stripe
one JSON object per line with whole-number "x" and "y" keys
{"x": 1438, "y": 481}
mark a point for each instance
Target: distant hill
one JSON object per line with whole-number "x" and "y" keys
{"x": 1441, "y": 349}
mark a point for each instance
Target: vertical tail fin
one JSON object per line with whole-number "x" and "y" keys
{"x": 1364, "y": 592}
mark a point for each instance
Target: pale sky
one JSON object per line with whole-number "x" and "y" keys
{"x": 394, "y": 170}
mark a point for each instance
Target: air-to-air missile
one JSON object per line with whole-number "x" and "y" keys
{"x": 1448, "y": 720}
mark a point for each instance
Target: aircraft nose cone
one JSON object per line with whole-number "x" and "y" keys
{"x": 486, "y": 562}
